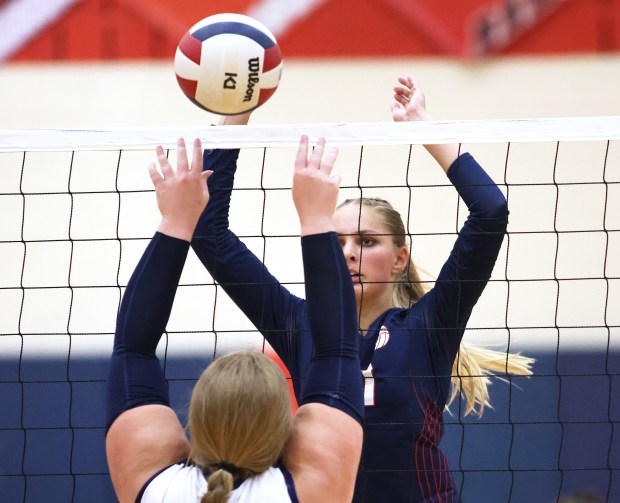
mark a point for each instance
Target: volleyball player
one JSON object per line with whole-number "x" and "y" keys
{"x": 244, "y": 444}
{"x": 411, "y": 339}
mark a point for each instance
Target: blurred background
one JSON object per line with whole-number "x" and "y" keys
{"x": 99, "y": 63}
{"x": 108, "y": 63}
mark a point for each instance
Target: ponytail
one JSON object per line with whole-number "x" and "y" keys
{"x": 220, "y": 485}
{"x": 473, "y": 364}
{"x": 470, "y": 370}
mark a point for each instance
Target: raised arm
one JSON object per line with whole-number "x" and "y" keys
{"x": 324, "y": 450}
{"x": 269, "y": 306}
{"x": 143, "y": 433}
{"x": 470, "y": 264}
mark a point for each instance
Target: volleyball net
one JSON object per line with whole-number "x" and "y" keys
{"x": 78, "y": 209}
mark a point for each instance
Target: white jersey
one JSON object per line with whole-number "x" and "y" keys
{"x": 181, "y": 483}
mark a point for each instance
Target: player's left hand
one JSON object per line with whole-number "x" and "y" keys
{"x": 182, "y": 194}
{"x": 315, "y": 189}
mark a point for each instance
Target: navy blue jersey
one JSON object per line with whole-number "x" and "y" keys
{"x": 406, "y": 355}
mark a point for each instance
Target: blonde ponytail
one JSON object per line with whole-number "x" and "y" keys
{"x": 220, "y": 485}
{"x": 470, "y": 370}
{"x": 473, "y": 364}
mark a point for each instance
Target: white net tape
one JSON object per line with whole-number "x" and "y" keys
{"x": 483, "y": 131}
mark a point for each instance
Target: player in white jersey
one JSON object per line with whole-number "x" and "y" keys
{"x": 244, "y": 443}
{"x": 182, "y": 483}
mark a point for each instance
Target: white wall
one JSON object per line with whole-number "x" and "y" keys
{"x": 146, "y": 94}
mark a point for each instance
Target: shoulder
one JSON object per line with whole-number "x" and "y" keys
{"x": 140, "y": 443}
{"x": 323, "y": 452}
{"x": 400, "y": 318}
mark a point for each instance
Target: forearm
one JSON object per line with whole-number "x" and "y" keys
{"x": 243, "y": 276}
{"x": 147, "y": 302}
{"x": 214, "y": 219}
{"x": 248, "y": 282}
{"x": 334, "y": 376}
{"x": 444, "y": 154}
{"x": 135, "y": 376}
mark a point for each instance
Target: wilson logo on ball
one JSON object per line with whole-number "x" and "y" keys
{"x": 228, "y": 64}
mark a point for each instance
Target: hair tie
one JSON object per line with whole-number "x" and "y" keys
{"x": 229, "y": 467}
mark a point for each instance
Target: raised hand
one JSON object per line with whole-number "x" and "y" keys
{"x": 410, "y": 105}
{"x": 315, "y": 189}
{"x": 182, "y": 194}
{"x": 409, "y": 102}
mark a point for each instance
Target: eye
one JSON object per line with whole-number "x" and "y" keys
{"x": 366, "y": 241}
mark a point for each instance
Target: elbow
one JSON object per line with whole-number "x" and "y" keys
{"x": 497, "y": 207}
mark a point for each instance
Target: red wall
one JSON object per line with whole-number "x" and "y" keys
{"x": 140, "y": 29}
{"x": 580, "y": 26}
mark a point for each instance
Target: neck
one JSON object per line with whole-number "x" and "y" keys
{"x": 369, "y": 311}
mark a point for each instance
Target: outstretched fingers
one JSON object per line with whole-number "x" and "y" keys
{"x": 314, "y": 189}
{"x": 327, "y": 164}
{"x": 182, "y": 192}
{"x": 317, "y": 154}
{"x": 182, "y": 162}
{"x": 183, "y": 166}
{"x": 301, "y": 159}
{"x": 319, "y": 158}
{"x": 155, "y": 175}
{"x": 326, "y": 158}
{"x": 197, "y": 156}
{"x": 164, "y": 163}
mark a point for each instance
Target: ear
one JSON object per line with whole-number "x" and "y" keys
{"x": 402, "y": 260}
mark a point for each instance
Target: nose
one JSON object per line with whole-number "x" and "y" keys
{"x": 349, "y": 248}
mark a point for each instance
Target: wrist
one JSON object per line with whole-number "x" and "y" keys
{"x": 420, "y": 115}
{"x": 317, "y": 226}
{"x": 234, "y": 120}
{"x": 176, "y": 229}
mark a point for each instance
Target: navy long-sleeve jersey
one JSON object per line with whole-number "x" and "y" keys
{"x": 406, "y": 355}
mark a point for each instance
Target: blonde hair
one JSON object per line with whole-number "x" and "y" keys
{"x": 473, "y": 364}
{"x": 240, "y": 414}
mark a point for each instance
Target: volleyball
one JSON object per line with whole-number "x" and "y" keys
{"x": 228, "y": 64}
